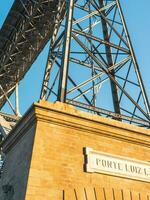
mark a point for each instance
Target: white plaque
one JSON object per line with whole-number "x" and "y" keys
{"x": 104, "y": 163}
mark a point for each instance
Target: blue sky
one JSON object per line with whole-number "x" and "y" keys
{"x": 137, "y": 16}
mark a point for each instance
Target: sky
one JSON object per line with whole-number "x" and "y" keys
{"x": 137, "y": 17}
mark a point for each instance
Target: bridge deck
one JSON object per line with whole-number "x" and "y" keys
{"x": 26, "y": 30}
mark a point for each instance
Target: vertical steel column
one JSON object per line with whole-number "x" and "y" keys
{"x": 93, "y": 101}
{"x": 146, "y": 102}
{"x": 49, "y": 63}
{"x": 66, "y": 52}
{"x": 110, "y": 62}
{"x": 17, "y": 99}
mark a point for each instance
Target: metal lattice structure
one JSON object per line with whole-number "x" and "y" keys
{"x": 91, "y": 62}
{"x": 25, "y": 32}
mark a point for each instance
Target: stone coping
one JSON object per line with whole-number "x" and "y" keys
{"x": 67, "y": 115}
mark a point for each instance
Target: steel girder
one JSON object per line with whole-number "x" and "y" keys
{"x": 25, "y": 32}
{"x": 92, "y": 64}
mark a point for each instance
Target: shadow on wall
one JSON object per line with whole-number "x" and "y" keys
{"x": 8, "y": 192}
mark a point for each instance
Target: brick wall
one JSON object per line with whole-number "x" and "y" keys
{"x": 57, "y": 163}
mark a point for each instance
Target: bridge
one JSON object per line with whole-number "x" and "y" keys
{"x": 30, "y": 24}
{"x": 25, "y": 32}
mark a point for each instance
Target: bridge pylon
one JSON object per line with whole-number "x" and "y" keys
{"x": 92, "y": 64}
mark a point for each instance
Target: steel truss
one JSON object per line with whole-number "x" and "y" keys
{"x": 25, "y": 32}
{"x": 92, "y": 64}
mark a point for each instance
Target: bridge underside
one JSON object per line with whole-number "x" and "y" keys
{"x": 26, "y": 30}
{"x": 107, "y": 59}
